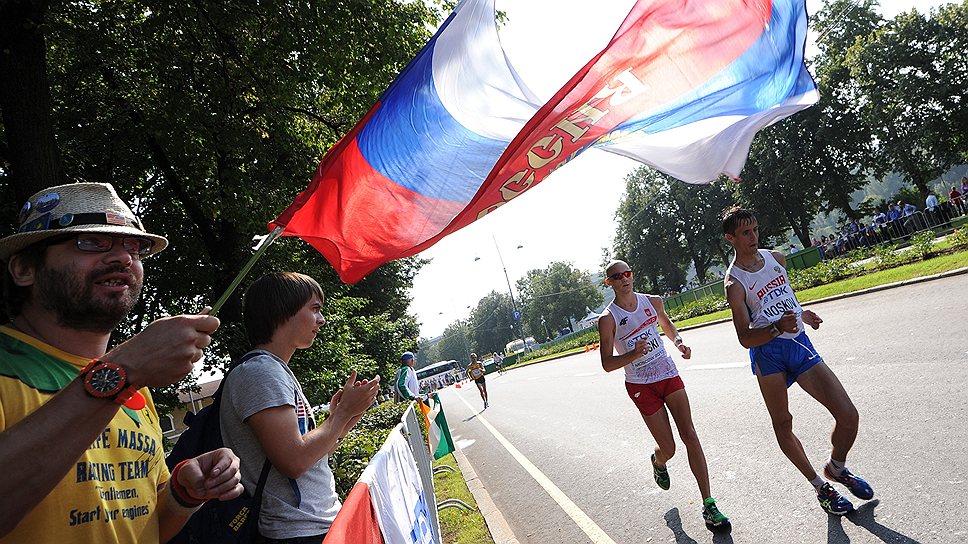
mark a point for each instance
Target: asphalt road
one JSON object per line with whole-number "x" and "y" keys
{"x": 902, "y": 355}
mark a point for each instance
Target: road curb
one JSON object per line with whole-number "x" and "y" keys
{"x": 886, "y": 286}
{"x": 496, "y": 524}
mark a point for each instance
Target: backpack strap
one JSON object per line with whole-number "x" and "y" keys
{"x": 257, "y": 494}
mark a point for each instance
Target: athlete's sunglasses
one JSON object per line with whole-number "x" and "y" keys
{"x": 619, "y": 275}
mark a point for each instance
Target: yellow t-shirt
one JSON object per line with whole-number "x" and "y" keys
{"x": 110, "y": 494}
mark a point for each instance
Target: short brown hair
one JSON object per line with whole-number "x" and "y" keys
{"x": 272, "y": 299}
{"x": 734, "y": 216}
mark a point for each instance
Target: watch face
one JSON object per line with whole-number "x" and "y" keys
{"x": 104, "y": 380}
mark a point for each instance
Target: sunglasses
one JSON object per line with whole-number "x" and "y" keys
{"x": 619, "y": 275}
{"x": 102, "y": 243}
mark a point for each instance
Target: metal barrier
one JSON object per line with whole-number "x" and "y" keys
{"x": 421, "y": 454}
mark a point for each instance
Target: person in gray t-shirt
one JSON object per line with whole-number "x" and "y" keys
{"x": 264, "y": 412}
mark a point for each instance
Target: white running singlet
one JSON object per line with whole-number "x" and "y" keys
{"x": 768, "y": 293}
{"x": 640, "y": 324}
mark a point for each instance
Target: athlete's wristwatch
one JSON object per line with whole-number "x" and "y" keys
{"x": 107, "y": 381}
{"x": 677, "y": 340}
{"x": 774, "y": 330}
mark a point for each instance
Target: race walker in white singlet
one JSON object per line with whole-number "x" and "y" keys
{"x": 768, "y": 293}
{"x": 640, "y": 324}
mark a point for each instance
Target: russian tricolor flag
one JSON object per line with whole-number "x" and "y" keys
{"x": 683, "y": 85}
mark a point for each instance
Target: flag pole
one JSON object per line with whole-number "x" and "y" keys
{"x": 259, "y": 250}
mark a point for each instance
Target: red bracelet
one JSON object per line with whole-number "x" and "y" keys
{"x": 180, "y": 493}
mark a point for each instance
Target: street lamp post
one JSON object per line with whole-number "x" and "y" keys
{"x": 514, "y": 306}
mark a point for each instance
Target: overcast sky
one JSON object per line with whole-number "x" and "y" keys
{"x": 570, "y": 216}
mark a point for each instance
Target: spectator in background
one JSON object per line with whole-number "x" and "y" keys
{"x": 894, "y": 220}
{"x": 964, "y": 188}
{"x": 908, "y": 210}
{"x": 957, "y": 199}
{"x": 935, "y": 212}
{"x": 405, "y": 385}
{"x": 819, "y": 245}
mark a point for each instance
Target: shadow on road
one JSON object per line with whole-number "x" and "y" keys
{"x": 472, "y": 417}
{"x": 864, "y": 517}
{"x": 674, "y": 522}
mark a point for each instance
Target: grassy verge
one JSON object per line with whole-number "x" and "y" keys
{"x": 930, "y": 267}
{"x": 458, "y": 526}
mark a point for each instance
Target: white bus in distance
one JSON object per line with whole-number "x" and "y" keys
{"x": 438, "y": 375}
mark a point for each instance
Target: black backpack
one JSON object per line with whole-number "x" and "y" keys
{"x": 234, "y": 521}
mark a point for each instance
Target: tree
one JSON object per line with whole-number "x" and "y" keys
{"x": 697, "y": 210}
{"x": 911, "y": 74}
{"x": 779, "y": 181}
{"x": 211, "y": 116}
{"x": 492, "y": 323}
{"x": 554, "y": 296}
{"x": 647, "y": 237}
{"x": 454, "y": 343}
{"x": 842, "y": 144}
{"x": 666, "y": 225}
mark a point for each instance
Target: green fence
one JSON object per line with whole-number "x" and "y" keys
{"x": 795, "y": 261}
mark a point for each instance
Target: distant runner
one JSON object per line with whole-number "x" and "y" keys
{"x": 769, "y": 321}
{"x": 475, "y": 371}
{"x": 629, "y": 326}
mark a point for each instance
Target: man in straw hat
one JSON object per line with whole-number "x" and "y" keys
{"x": 79, "y": 435}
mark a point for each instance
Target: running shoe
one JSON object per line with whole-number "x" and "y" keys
{"x": 855, "y": 484}
{"x": 833, "y": 502}
{"x": 661, "y": 475}
{"x": 485, "y": 404}
{"x": 712, "y": 515}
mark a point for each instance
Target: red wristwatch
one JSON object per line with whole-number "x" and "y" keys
{"x": 107, "y": 381}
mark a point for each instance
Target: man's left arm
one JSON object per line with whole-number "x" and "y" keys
{"x": 668, "y": 327}
{"x": 211, "y": 476}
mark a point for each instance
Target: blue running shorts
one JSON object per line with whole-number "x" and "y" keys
{"x": 792, "y": 356}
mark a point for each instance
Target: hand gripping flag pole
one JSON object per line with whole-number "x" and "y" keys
{"x": 264, "y": 244}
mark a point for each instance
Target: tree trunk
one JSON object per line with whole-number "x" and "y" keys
{"x": 25, "y": 99}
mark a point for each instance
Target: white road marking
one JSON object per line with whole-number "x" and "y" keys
{"x": 585, "y": 523}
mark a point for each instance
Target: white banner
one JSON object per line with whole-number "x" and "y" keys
{"x": 397, "y": 493}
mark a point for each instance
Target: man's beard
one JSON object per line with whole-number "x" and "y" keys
{"x": 69, "y": 295}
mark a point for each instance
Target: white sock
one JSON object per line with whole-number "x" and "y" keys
{"x": 837, "y": 467}
{"x": 818, "y": 482}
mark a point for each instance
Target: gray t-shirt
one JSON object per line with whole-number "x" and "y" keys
{"x": 262, "y": 382}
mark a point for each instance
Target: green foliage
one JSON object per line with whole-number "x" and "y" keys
{"x": 824, "y": 272}
{"x": 665, "y": 225}
{"x": 909, "y": 75}
{"x": 552, "y": 296}
{"x": 355, "y": 450}
{"x": 703, "y": 306}
{"x": 491, "y": 324}
{"x": 922, "y": 244}
{"x": 210, "y": 117}
{"x": 959, "y": 238}
{"x": 583, "y": 338}
{"x": 886, "y": 256}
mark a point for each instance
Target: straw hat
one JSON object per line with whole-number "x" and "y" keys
{"x": 75, "y": 208}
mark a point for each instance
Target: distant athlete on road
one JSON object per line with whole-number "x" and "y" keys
{"x": 475, "y": 371}
{"x": 629, "y": 326}
{"x": 769, "y": 321}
